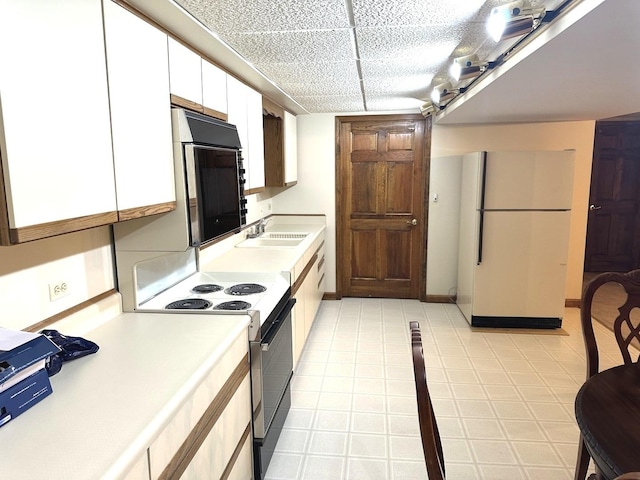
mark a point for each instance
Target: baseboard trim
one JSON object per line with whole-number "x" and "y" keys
{"x": 330, "y": 296}
{"x": 441, "y": 299}
{"x": 515, "y": 322}
{"x": 572, "y": 303}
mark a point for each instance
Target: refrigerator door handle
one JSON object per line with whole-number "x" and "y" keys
{"x": 481, "y": 210}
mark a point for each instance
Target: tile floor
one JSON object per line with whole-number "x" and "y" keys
{"x": 504, "y": 402}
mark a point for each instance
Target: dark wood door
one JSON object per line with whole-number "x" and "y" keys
{"x": 613, "y": 227}
{"x": 381, "y": 245}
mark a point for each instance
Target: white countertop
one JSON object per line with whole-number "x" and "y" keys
{"x": 266, "y": 259}
{"x": 107, "y": 408}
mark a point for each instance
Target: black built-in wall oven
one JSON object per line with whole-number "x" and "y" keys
{"x": 214, "y": 176}
{"x": 270, "y": 348}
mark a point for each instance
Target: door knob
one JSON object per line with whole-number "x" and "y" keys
{"x": 412, "y": 222}
{"x": 594, "y": 207}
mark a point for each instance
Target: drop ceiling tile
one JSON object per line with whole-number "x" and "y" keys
{"x": 326, "y": 45}
{"x": 409, "y": 43}
{"x": 381, "y": 103}
{"x": 340, "y": 87}
{"x": 414, "y": 12}
{"x": 316, "y": 73}
{"x": 328, "y": 104}
{"x": 239, "y": 16}
{"x": 397, "y": 84}
{"x": 396, "y": 66}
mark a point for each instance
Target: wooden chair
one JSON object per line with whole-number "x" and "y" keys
{"x": 428, "y": 427}
{"x": 625, "y": 330}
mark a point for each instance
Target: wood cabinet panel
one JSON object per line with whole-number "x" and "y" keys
{"x": 280, "y": 148}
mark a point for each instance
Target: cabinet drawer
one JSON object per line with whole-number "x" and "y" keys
{"x": 193, "y": 420}
{"x": 230, "y": 432}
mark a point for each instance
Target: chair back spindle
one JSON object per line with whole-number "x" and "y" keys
{"x": 431, "y": 444}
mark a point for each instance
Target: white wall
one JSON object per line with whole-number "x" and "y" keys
{"x": 452, "y": 140}
{"x": 315, "y": 191}
{"x": 442, "y": 253}
{"x": 83, "y": 259}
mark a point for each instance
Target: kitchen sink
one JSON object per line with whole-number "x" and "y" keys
{"x": 274, "y": 240}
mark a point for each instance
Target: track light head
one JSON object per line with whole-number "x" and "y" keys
{"x": 514, "y": 19}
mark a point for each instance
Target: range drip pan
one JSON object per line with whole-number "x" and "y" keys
{"x": 233, "y": 305}
{"x": 189, "y": 304}
{"x": 245, "y": 289}
{"x": 206, "y": 288}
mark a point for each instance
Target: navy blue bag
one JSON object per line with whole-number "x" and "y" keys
{"x": 70, "y": 349}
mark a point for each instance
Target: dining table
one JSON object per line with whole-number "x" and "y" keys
{"x": 607, "y": 409}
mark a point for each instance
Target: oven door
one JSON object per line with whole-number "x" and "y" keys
{"x": 271, "y": 371}
{"x": 215, "y": 192}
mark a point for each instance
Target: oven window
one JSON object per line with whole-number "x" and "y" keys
{"x": 218, "y": 192}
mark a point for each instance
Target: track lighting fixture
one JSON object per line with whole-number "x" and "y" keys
{"x": 466, "y": 67}
{"x": 442, "y": 93}
{"x": 514, "y": 19}
{"x": 427, "y": 109}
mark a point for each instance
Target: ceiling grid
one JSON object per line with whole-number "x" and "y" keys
{"x": 331, "y": 56}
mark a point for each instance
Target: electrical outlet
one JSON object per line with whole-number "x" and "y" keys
{"x": 58, "y": 290}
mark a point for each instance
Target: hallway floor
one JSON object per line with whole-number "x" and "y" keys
{"x": 504, "y": 401}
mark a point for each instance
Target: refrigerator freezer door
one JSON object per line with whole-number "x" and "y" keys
{"x": 529, "y": 180}
{"x": 523, "y": 272}
{"x": 468, "y": 234}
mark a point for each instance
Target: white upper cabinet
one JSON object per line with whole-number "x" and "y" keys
{"x": 138, "y": 73}
{"x": 185, "y": 70}
{"x": 55, "y": 136}
{"x": 245, "y": 111}
{"x": 290, "y": 149}
{"x": 255, "y": 164}
{"x": 214, "y": 89}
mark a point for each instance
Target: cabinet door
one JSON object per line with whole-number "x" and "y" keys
{"x": 55, "y": 142}
{"x": 185, "y": 72}
{"x": 137, "y": 66}
{"x": 201, "y": 438}
{"x": 290, "y": 149}
{"x": 237, "y": 112}
{"x": 245, "y": 112}
{"x": 214, "y": 90}
{"x": 255, "y": 162}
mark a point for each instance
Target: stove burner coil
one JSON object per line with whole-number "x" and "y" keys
{"x": 245, "y": 289}
{"x": 233, "y": 305}
{"x": 189, "y": 304}
{"x": 206, "y": 288}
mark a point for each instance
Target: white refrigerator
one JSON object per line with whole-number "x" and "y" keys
{"x": 515, "y": 213}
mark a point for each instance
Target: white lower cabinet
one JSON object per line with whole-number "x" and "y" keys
{"x": 309, "y": 290}
{"x": 210, "y": 436}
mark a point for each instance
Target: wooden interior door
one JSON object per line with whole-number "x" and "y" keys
{"x": 381, "y": 177}
{"x": 613, "y": 227}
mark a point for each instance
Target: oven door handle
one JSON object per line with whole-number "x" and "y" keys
{"x": 277, "y": 325}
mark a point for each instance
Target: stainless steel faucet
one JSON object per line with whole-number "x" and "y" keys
{"x": 262, "y": 224}
{"x": 258, "y": 229}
